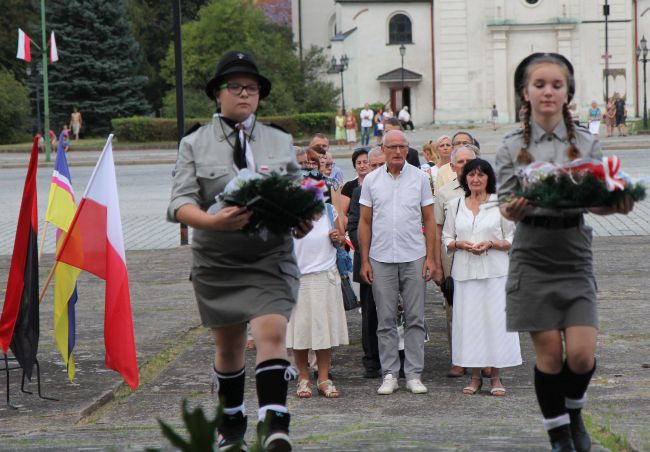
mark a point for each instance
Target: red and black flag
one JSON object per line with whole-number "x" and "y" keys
{"x": 19, "y": 323}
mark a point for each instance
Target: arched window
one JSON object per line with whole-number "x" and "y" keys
{"x": 399, "y": 30}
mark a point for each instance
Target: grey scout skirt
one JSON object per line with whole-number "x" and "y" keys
{"x": 237, "y": 277}
{"x": 551, "y": 283}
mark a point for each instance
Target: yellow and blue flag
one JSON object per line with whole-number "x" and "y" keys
{"x": 61, "y": 209}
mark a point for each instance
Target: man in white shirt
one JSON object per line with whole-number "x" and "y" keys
{"x": 397, "y": 258}
{"x": 366, "y": 116}
{"x": 405, "y": 118}
{"x": 447, "y": 192}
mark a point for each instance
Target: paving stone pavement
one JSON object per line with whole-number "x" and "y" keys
{"x": 444, "y": 419}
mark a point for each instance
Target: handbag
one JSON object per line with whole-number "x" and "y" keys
{"x": 447, "y": 286}
{"x": 350, "y": 300}
{"x": 344, "y": 266}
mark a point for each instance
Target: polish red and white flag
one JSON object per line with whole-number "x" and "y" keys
{"x": 54, "y": 54}
{"x": 24, "y": 52}
{"x": 95, "y": 243}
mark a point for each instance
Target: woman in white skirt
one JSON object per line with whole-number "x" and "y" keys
{"x": 318, "y": 321}
{"x": 479, "y": 238}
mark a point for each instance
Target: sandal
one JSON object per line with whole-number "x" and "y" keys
{"x": 497, "y": 391}
{"x": 327, "y": 389}
{"x": 471, "y": 390}
{"x": 304, "y": 389}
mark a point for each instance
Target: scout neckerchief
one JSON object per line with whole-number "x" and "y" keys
{"x": 242, "y": 151}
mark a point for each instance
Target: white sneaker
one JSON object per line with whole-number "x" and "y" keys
{"x": 389, "y": 385}
{"x": 416, "y": 386}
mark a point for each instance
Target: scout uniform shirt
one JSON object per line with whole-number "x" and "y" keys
{"x": 205, "y": 166}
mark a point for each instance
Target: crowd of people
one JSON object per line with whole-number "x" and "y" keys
{"x": 74, "y": 126}
{"x": 514, "y": 267}
{"x": 369, "y": 122}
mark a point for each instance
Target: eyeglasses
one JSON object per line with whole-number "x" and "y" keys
{"x": 236, "y": 88}
{"x": 461, "y": 143}
{"x": 395, "y": 147}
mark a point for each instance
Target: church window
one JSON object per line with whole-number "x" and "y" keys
{"x": 399, "y": 30}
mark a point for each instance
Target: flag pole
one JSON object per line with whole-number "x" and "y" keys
{"x": 40, "y": 252}
{"x": 46, "y": 103}
{"x": 47, "y": 282}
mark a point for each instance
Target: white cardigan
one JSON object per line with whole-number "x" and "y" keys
{"x": 487, "y": 225}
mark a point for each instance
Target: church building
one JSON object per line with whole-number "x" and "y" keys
{"x": 451, "y": 60}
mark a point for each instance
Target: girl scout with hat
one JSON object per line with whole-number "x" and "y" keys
{"x": 239, "y": 278}
{"x": 551, "y": 289}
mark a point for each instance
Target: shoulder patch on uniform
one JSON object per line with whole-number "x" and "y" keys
{"x": 275, "y": 126}
{"x": 515, "y": 132}
{"x": 193, "y": 129}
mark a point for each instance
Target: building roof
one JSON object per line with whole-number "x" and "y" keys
{"x": 396, "y": 76}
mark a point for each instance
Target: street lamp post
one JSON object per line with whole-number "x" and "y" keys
{"x": 340, "y": 68}
{"x": 642, "y": 56}
{"x": 402, "y": 52}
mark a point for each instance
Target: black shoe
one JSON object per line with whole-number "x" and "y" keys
{"x": 273, "y": 433}
{"x": 231, "y": 433}
{"x": 579, "y": 433}
{"x": 561, "y": 440}
{"x": 372, "y": 373}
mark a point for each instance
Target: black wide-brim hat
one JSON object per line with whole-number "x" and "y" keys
{"x": 520, "y": 72}
{"x": 236, "y": 62}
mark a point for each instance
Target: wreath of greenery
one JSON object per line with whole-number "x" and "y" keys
{"x": 278, "y": 202}
{"x": 564, "y": 191}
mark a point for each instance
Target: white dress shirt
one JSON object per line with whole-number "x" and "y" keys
{"x": 487, "y": 225}
{"x": 396, "y": 204}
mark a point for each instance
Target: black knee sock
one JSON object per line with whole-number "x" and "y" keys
{"x": 575, "y": 386}
{"x": 272, "y": 378}
{"x": 230, "y": 388}
{"x": 550, "y": 397}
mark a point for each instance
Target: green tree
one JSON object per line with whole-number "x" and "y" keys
{"x": 98, "y": 62}
{"x": 14, "y": 109}
{"x": 152, "y": 25}
{"x": 224, "y": 25}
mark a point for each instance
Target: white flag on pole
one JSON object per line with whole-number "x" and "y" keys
{"x": 54, "y": 55}
{"x": 24, "y": 52}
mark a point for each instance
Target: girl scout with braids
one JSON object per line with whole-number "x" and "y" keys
{"x": 551, "y": 290}
{"x": 238, "y": 278}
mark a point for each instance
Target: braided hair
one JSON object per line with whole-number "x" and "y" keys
{"x": 524, "y": 155}
{"x": 572, "y": 151}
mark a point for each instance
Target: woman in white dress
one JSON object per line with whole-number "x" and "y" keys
{"x": 318, "y": 321}
{"x": 480, "y": 238}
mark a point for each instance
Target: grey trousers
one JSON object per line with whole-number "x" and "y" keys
{"x": 389, "y": 280}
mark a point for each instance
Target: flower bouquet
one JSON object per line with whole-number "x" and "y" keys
{"x": 581, "y": 183}
{"x": 278, "y": 202}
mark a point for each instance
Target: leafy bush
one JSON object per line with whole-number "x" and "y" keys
{"x": 14, "y": 109}
{"x": 144, "y": 128}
